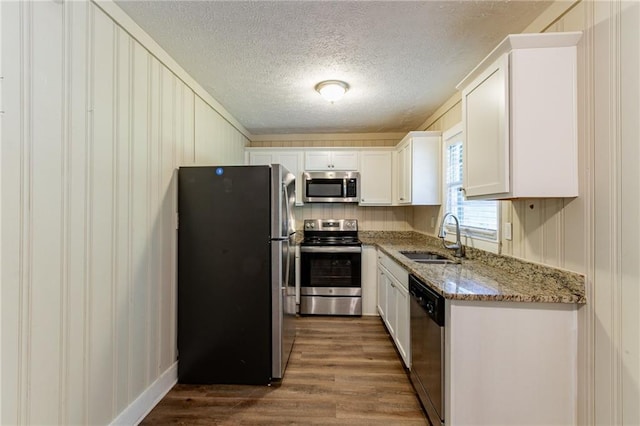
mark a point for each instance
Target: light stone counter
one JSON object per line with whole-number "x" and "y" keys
{"x": 481, "y": 275}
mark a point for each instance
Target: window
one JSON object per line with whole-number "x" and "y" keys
{"x": 478, "y": 218}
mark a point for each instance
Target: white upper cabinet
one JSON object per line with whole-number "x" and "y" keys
{"x": 418, "y": 169}
{"x": 520, "y": 118}
{"x": 292, "y": 160}
{"x": 375, "y": 178}
{"x": 331, "y": 160}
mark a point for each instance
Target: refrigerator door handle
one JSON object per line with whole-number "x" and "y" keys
{"x": 287, "y": 267}
{"x": 285, "y": 191}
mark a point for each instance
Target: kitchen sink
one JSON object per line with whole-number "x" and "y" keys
{"x": 426, "y": 257}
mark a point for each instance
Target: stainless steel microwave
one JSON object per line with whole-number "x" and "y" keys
{"x": 331, "y": 187}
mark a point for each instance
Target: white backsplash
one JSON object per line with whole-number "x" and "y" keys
{"x": 369, "y": 218}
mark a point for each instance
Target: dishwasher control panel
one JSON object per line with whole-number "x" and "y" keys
{"x": 428, "y": 299}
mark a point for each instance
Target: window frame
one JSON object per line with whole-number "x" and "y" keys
{"x": 479, "y": 240}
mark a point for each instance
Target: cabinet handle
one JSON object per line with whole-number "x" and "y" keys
{"x": 401, "y": 199}
{"x": 461, "y": 189}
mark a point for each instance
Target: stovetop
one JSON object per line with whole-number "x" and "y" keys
{"x": 331, "y": 232}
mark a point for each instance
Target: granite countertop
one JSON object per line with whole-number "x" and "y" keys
{"x": 481, "y": 275}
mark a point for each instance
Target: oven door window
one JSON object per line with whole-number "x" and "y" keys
{"x": 325, "y": 188}
{"x": 330, "y": 269}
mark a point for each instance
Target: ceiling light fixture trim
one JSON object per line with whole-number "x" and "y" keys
{"x": 332, "y": 90}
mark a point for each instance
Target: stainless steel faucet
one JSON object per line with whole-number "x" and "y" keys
{"x": 457, "y": 246}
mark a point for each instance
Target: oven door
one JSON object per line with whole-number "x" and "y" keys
{"x": 330, "y": 270}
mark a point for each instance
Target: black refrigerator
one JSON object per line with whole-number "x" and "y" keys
{"x": 236, "y": 280}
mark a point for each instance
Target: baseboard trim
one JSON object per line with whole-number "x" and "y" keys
{"x": 143, "y": 404}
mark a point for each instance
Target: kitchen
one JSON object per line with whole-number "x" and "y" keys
{"x": 79, "y": 353}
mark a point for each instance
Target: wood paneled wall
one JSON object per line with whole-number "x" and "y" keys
{"x": 217, "y": 141}
{"x": 93, "y": 129}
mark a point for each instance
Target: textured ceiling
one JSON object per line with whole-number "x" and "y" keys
{"x": 261, "y": 60}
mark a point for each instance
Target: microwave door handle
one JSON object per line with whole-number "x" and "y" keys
{"x": 344, "y": 188}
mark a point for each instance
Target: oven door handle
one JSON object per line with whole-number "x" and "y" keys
{"x": 331, "y": 249}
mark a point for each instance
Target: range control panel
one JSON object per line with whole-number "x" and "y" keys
{"x": 331, "y": 225}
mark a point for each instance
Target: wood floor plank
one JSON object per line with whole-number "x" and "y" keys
{"x": 342, "y": 371}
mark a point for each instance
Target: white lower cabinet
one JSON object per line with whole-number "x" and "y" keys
{"x": 393, "y": 304}
{"x": 383, "y": 283}
{"x": 403, "y": 327}
{"x": 510, "y": 363}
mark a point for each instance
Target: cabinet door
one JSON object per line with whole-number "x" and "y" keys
{"x": 375, "y": 178}
{"x": 382, "y": 293}
{"x": 317, "y": 160}
{"x": 392, "y": 306}
{"x": 344, "y": 160}
{"x": 260, "y": 158}
{"x": 404, "y": 174}
{"x": 485, "y": 109}
{"x": 403, "y": 338}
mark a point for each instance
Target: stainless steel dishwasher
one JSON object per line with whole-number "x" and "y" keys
{"x": 427, "y": 348}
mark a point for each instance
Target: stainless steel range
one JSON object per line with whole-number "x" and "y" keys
{"x": 330, "y": 273}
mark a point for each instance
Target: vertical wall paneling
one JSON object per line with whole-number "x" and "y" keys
{"x": 88, "y": 206}
{"x": 2, "y": 74}
{"x": 93, "y": 127}
{"x": 582, "y": 232}
{"x": 122, "y": 253}
{"x": 47, "y": 193}
{"x": 188, "y": 156}
{"x": 369, "y": 218}
{"x": 167, "y": 209}
{"x": 155, "y": 168}
{"x": 26, "y": 179}
{"x": 216, "y": 141}
{"x": 102, "y": 277}
{"x": 605, "y": 270}
{"x": 629, "y": 66}
{"x": 203, "y": 141}
{"x": 140, "y": 256}
{"x": 14, "y": 190}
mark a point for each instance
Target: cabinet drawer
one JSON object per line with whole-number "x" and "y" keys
{"x": 398, "y": 272}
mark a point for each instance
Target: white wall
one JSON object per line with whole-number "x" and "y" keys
{"x": 93, "y": 130}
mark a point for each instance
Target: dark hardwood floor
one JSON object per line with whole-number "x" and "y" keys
{"x": 341, "y": 371}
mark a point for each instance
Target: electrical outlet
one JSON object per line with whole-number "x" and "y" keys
{"x": 506, "y": 231}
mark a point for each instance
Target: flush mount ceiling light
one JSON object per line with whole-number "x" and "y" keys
{"x": 332, "y": 90}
